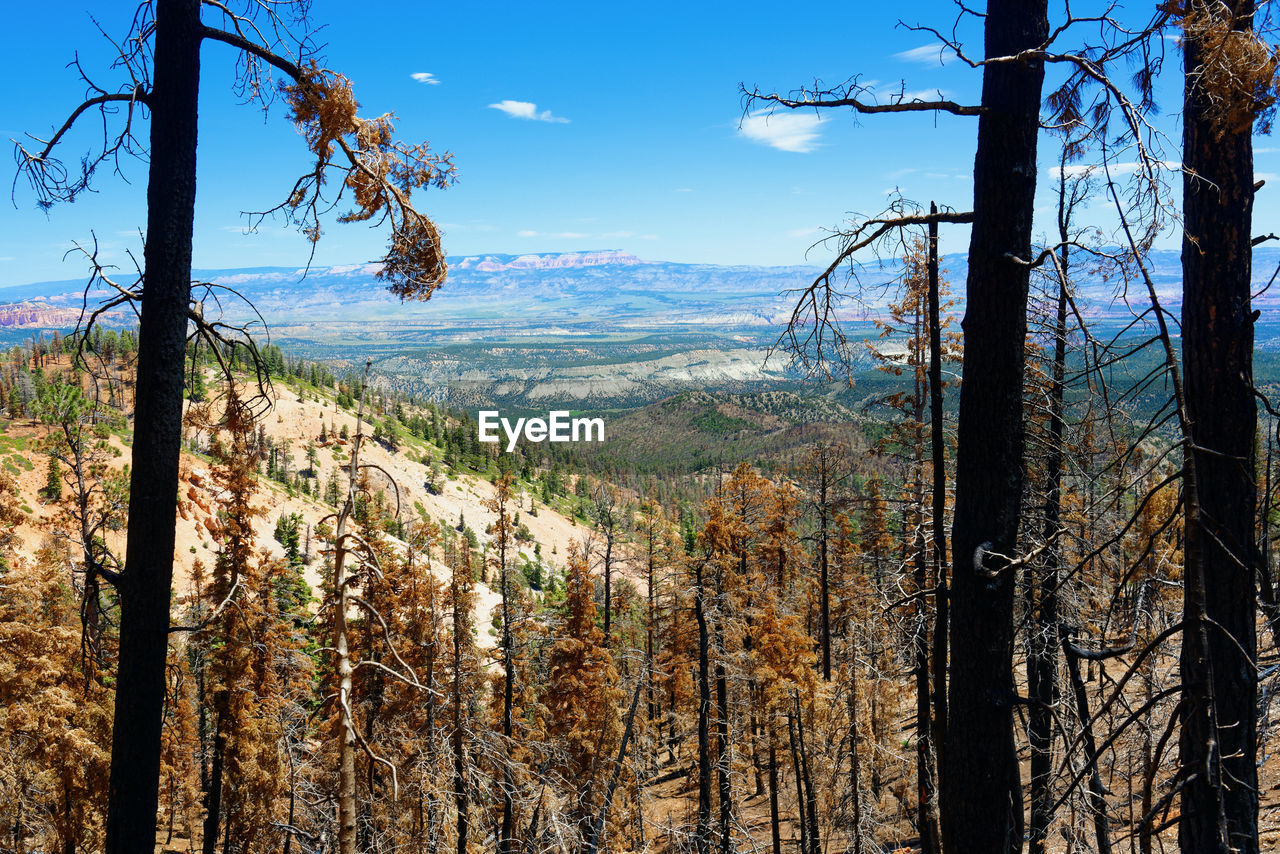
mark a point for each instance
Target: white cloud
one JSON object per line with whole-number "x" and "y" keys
{"x": 527, "y": 110}
{"x": 619, "y": 234}
{"x": 426, "y": 77}
{"x": 927, "y": 95}
{"x": 563, "y": 235}
{"x": 804, "y": 232}
{"x": 684, "y": 189}
{"x": 926, "y": 54}
{"x": 796, "y": 132}
{"x": 1116, "y": 169}
{"x": 1265, "y": 150}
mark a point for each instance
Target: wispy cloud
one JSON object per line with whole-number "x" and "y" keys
{"x": 796, "y": 132}
{"x": 622, "y": 234}
{"x": 1128, "y": 167}
{"x": 918, "y": 95}
{"x": 926, "y": 54}
{"x": 527, "y": 110}
{"x": 564, "y": 235}
{"x": 811, "y": 231}
{"x": 426, "y": 77}
{"x": 684, "y": 189}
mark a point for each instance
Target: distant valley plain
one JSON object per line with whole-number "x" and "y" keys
{"x": 587, "y": 331}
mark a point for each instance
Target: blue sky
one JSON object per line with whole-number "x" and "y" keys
{"x": 574, "y": 126}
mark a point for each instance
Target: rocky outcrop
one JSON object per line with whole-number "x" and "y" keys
{"x": 33, "y": 315}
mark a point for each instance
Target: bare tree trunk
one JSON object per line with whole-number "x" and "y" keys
{"x": 855, "y": 781}
{"x": 461, "y": 578}
{"x": 937, "y": 442}
{"x": 348, "y": 818}
{"x": 981, "y": 796}
{"x": 725, "y": 788}
{"x": 926, "y": 778}
{"x": 1219, "y": 732}
{"x": 1097, "y": 794}
{"x": 145, "y": 585}
{"x": 811, "y": 795}
{"x": 1042, "y": 586}
{"x": 702, "y": 835}
{"x": 824, "y": 566}
{"x": 775, "y": 820}
{"x": 213, "y": 798}
{"x": 805, "y": 845}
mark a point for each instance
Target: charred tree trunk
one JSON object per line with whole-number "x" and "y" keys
{"x": 461, "y": 629}
{"x": 506, "y": 833}
{"x": 1218, "y": 740}
{"x": 981, "y": 796}
{"x": 810, "y": 807}
{"x": 1097, "y": 794}
{"x": 938, "y": 450}
{"x": 144, "y": 587}
{"x": 806, "y": 846}
{"x": 724, "y": 785}
{"x": 703, "y": 832}
{"x": 926, "y": 778}
{"x": 775, "y": 819}
{"x": 213, "y": 798}
{"x": 1042, "y": 587}
{"x": 824, "y": 567}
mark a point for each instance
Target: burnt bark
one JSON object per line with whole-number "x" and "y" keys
{"x": 144, "y": 586}
{"x": 1218, "y": 740}
{"x": 702, "y": 835}
{"x": 1042, "y": 586}
{"x": 981, "y": 799}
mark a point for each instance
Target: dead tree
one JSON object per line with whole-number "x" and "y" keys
{"x": 1228, "y": 70}
{"x": 160, "y": 57}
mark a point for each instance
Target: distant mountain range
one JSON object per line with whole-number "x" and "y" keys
{"x": 572, "y": 292}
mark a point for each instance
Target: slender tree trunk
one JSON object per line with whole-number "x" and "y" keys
{"x": 1042, "y": 587}
{"x": 703, "y": 832}
{"x": 775, "y": 819}
{"x": 811, "y": 794}
{"x": 144, "y": 588}
{"x": 855, "y": 759}
{"x": 1219, "y": 732}
{"x": 801, "y": 800}
{"x": 461, "y": 629}
{"x": 724, "y": 785}
{"x": 608, "y": 587}
{"x": 506, "y": 833}
{"x": 926, "y": 777}
{"x": 981, "y": 796}
{"x": 348, "y": 806}
{"x": 823, "y": 567}
{"x": 937, "y": 444}
{"x": 213, "y": 798}
{"x": 1097, "y": 795}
